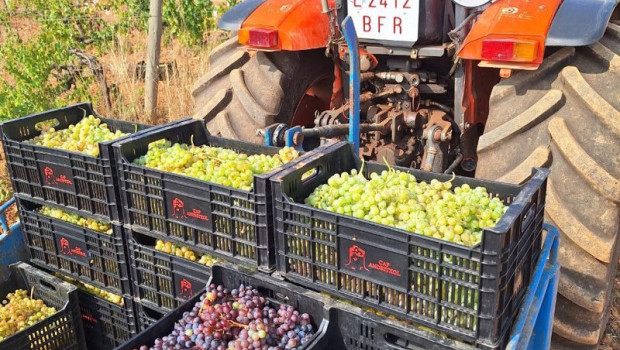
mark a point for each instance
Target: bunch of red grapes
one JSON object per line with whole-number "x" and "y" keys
{"x": 239, "y": 320}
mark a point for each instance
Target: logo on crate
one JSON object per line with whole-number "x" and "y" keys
{"x": 357, "y": 258}
{"x": 71, "y": 248}
{"x": 178, "y": 208}
{"x": 52, "y": 179}
{"x": 66, "y": 249}
{"x": 56, "y": 176}
{"x": 188, "y": 210}
{"x": 372, "y": 263}
{"x": 186, "y": 289}
{"x": 89, "y": 318}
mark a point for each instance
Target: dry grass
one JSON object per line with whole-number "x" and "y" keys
{"x": 174, "y": 92}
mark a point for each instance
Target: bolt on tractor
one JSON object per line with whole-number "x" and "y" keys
{"x": 476, "y": 87}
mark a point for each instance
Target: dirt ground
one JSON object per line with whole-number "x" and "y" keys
{"x": 611, "y": 339}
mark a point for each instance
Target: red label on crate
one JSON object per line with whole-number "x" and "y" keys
{"x": 57, "y": 176}
{"x": 190, "y": 210}
{"x": 89, "y": 318}
{"x": 71, "y": 248}
{"x": 187, "y": 287}
{"x": 372, "y": 263}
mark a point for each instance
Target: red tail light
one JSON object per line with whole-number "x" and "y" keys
{"x": 262, "y": 38}
{"x": 509, "y": 50}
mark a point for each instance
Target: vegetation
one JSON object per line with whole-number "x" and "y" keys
{"x": 54, "y": 52}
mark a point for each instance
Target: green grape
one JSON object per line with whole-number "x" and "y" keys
{"x": 183, "y": 252}
{"x": 77, "y": 220}
{"x": 214, "y": 164}
{"x": 82, "y": 137}
{"x": 19, "y": 311}
{"x": 111, "y": 297}
{"x": 5, "y": 191}
{"x": 395, "y": 198}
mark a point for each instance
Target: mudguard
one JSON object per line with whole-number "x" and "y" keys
{"x": 580, "y": 23}
{"x": 549, "y": 22}
{"x": 511, "y": 19}
{"x": 300, "y": 24}
{"x": 234, "y": 17}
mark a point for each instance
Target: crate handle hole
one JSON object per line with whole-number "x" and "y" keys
{"x": 152, "y": 314}
{"x": 47, "y": 285}
{"x": 311, "y": 174}
{"x": 47, "y": 124}
{"x": 396, "y": 342}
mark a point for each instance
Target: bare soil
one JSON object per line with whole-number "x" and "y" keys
{"x": 611, "y": 339}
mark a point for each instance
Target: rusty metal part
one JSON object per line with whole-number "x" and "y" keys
{"x": 298, "y": 138}
{"x": 432, "y": 89}
{"x": 392, "y": 76}
{"x": 410, "y": 119}
{"x": 436, "y": 117}
{"x": 337, "y": 91}
{"x": 368, "y": 61}
{"x": 366, "y": 76}
{"x": 432, "y": 148}
{"x": 437, "y": 133}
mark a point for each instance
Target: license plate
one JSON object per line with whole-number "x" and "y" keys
{"x": 391, "y": 20}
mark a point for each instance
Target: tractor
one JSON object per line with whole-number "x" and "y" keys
{"x": 476, "y": 87}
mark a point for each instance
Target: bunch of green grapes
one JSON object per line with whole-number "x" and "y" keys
{"x": 76, "y": 219}
{"x": 111, "y": 297}
{"x": 83, "y": 137}
{"x": 5, "y": 191}
{"x": 183, "y": 252}
{"x": 397, "y": 199}
{"x": 214, "y": 164}
{"x": 18, "y": 311}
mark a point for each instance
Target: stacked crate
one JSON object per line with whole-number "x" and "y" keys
{"x": 471, "y": 295}
{"x": 80, "y": 185}
{"x": 223, "y": 223}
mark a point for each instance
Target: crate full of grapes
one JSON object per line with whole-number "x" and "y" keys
{"x": 39, "y": 312}
{"x": 165, "y": 274}
{"x": 89, "y": 250}
{"x": 241, "y": 309}
{"x": 64, "y": 156}
{"x": 108, "y": 319}
{"x": 184, "y": 185}
{"x": 449, "y": 252}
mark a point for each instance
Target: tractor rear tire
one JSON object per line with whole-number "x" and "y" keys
{"x": 247, "y": 91}
{"x": 565, "y": 116}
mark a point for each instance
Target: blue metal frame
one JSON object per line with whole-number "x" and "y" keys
{"x": 12, "y": 247}
{"x": 534, "y": 325}
{"x": 348, "y": 29}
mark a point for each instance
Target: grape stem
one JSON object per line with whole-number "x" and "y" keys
{"x": 239, "y": 325}
{"x": 202, "y": 305}
{"x": 453, "y": 177}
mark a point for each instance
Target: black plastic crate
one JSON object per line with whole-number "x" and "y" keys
{"x": 87, "y": 255}
{"x": 470, "y": 293}
{"x": 82, "y": 182}
{"x": 162, "y": 281}
{"x": 222, "y": 221}
{"x": 62, "y": 330}
{"x": 351, "y": 328}
{"x": 146, "y": 316}
{"x": 276, "y": 291}
{"x": 106, "y": 324}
